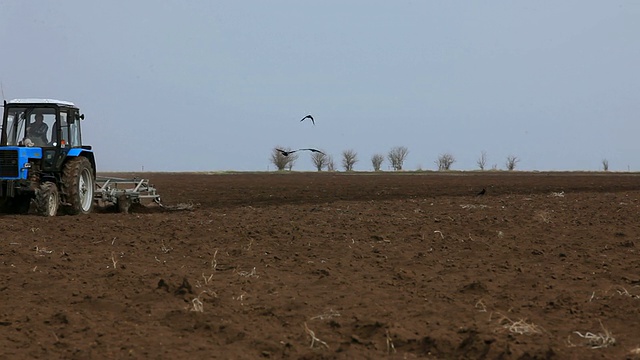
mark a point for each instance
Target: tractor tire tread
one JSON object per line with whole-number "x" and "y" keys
{"x": 70, "y": 189}
{"x": 42, "y": 198}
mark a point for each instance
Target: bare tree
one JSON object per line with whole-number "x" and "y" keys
{"x": 349, "y": 158}
{"x": 445, "y": 161}
{"x": 396, "y": 157}
{"x": 331, "y": 165}
{"x": 511, "y": 162}
{"x": 482, "y": 160}
{"x": 319, "y": 160}
{"x": 376, "y": 161}
{"x": 605, "y": 164}
{"x": 283, "y": 162}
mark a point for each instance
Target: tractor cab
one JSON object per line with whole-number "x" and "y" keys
{"x": 50, "y": 125}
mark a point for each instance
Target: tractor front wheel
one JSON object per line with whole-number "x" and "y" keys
{"x": 78, "y": 185}
{"x": 47, "y": 199}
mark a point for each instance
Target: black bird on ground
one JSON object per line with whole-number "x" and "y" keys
{"x": 287, "y": 153}
{"x": 308, "y": 117}
{"x": 482, "y": 192}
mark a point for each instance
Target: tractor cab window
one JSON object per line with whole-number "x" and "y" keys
{"x": 64, "y": 131}
{"x": 39, "y": 125}
{"x": 70, "y": 128}
{"x": 12, "y": 133}
{"x": 74, "y": 129}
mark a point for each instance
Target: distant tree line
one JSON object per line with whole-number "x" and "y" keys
{"x": 396, "y": 157}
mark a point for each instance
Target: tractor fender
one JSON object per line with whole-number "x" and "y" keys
{"x": 75, "y": 152}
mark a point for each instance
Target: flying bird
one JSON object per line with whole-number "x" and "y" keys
{"x": 313, "y": 150}
{"x": 287, "y": 153}
{"x": 308, "y": 117}
{"x": 482, "y": 192}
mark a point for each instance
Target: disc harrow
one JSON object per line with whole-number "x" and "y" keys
{"x": 125, "y": 192}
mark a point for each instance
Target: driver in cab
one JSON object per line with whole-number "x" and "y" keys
{"x": 37, "y": 131}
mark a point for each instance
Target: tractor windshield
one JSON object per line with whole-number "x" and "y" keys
{"x": 30, "y": 126}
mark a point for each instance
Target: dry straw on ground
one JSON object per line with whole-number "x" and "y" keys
{"x": 521, "y": 326}
{"x": 314, "y": 339}
{"x": 594, "y": 340}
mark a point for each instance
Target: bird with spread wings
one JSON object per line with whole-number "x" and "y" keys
{"x": 287, "y": 153}
{"x": 308, "y": 117}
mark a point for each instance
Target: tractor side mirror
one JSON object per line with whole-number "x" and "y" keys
{"x": 80, "y": 117}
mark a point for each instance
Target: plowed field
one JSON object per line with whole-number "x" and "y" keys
{"x": 333, "y": 265}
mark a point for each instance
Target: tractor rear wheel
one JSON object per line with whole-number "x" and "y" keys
{"x": 47, "y": 199}
{"x": 78, "y": 185}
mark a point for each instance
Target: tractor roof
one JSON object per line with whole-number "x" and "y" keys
{"x": 41, "y": 101}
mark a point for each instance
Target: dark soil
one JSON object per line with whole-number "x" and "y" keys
{"x": 333, "y": 266}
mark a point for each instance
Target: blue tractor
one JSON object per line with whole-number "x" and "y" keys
{"x": 43, "y": 161}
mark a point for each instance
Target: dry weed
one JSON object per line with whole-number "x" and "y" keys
{"x": 240, "y": 297}
{"x": 593, "y": 340}
{"x": 214, "y": 262}
{"x": 390, "y": 347}
{"x": 544, "y": 216}
{"x": 43, "y": 251}
{"x": 518, "y": 327}
{"x": 208, "y": 279}
{"x": 314, "y": 339}
{"x": 620, "y": 290}
{"x": 248, "y": 274}
{"x": 181, "y": 207}
{"x": 472, "y": 206}
{"x": 623, "y": 291}
{"x": 329, "y": 315}
{"x": 197, "y": 304}
{"x": 481, "y": 306}
{"x": 522, "y": 327}
{"x": 113, "y": 259}
{"x": 164, "y": 248}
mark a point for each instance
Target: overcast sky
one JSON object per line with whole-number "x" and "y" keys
{"x": 216, "y": 85}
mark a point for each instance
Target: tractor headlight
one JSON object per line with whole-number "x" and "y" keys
{"x": 27, "y": 165}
